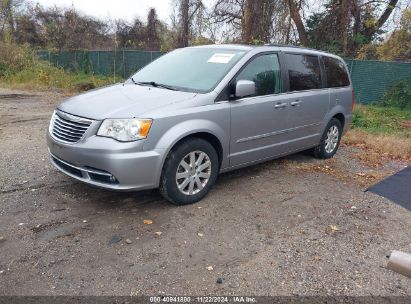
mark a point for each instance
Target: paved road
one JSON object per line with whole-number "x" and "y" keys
{"x": 290, "y": 226}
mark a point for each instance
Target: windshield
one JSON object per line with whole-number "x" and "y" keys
{"x": 190, "y": 69}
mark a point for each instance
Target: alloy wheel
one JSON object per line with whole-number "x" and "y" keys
{"x": 331, "y": 141}
{"x": 193, "y": 172}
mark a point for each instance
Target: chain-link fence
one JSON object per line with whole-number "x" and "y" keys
{"x": 108, "y": 63}
{"x": 371, "y": 78}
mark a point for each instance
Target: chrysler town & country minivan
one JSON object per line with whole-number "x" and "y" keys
{"x": 199, "y": 111}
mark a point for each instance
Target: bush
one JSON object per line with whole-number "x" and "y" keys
{"x": 399, "y": 96}
{"x": 15, "y": 58}
{"x": 21, "y": 67}
{"x": 368, "y": 52}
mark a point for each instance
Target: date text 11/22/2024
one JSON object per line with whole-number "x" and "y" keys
{"x": 202, "y": 299}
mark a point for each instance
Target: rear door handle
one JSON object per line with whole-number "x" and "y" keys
{"x": 296, "y": 103}
{"x": 280, "y": 105}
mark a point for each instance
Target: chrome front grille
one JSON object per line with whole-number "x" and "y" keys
{"x": 68, "y": 128}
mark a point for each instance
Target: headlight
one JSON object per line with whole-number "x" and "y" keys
{"x": 125, "y": 129}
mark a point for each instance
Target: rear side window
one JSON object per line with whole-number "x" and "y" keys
{"x": 303, "y": 72}
{"x": 265, "y": 71}
{"x": 336, "y": 72}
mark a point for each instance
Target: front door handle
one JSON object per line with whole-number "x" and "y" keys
{"x": 280, "y": 105}
{"x": 296, "y": 103}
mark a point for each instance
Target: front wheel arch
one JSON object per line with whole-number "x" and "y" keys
{"x": 212, "y": 139}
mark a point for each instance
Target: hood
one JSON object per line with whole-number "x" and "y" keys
{"x": 122, "y": 101}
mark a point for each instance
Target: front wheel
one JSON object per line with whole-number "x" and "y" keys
{"x": 189, "y": 172}
{"x": 330, "y": 140}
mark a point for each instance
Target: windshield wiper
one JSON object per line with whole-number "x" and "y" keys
{"x": 154, "y": 84}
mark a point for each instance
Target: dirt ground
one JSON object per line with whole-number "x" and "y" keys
{"x": 294, "y": 226}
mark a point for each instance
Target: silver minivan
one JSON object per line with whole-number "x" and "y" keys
{"x": 199, "y": 111}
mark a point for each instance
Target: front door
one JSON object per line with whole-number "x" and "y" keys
{"x": 258, "y": 123}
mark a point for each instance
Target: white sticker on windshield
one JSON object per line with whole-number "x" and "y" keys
{"x": 221, "y": 58}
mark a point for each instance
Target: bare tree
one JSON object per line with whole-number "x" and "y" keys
{"x": 295, "y": 8}
{"x": 122, "y": 33}
{"x": 228, "y": 14}
{"x": 370, "y": 31}
{"x": 257, "y": 20}
{"x": 8, "y": 12}
{"x": 138, "y": 35}
{"x": 253, "y": 21}
{"x": 344, "y": 25}
{"x": 153, "y": 42}
{"x": 27, "y": 31}
{"x": 340, "y": 25}
{"x": 188, "y": 11}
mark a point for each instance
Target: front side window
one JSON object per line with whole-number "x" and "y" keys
{"x": 190, "y": 69}
{"x": 265, "y": 72}
{"x": 303, "y": 71}
{"x": 336, "y": 72}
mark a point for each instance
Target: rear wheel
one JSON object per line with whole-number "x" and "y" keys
{"x": 330, "y": 140}
{"x": 189, "y": 172}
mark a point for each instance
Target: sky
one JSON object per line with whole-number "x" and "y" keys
{"x": 125, "y": 9}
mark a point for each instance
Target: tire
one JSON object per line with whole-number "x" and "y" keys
{"x": 330, "y": 141}
{"x": 181, "y": 184}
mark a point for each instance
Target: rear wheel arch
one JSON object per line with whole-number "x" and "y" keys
{"x": 320, "y": 150}
{"x": 341, "y": 118}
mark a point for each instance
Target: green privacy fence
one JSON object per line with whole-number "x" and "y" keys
{"x": 108, "y": 63}
{"x": 370, "y": 78}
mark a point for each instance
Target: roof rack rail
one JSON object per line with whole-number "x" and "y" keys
{"x": 294, "y": 46}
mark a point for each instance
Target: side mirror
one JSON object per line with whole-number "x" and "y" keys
{"x": 244, "y": 88}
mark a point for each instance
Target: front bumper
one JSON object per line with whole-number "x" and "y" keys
{"x": 106, "y": 163}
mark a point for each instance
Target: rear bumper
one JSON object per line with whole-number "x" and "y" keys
{"x": 106, "y": 163}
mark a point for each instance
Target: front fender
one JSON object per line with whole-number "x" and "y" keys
{"x": 191, "y": 127}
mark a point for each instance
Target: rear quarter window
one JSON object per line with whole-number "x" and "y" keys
{"x": 336, "y": 73}
{"x": 303, "y": 71}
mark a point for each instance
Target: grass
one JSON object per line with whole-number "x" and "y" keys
{"x": 20, "y": 68}
{"x": 50, "y": 78}
{"x": 383, "y": 120}
{"x": 383, "y": 132}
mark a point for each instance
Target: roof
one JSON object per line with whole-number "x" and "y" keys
{"x": 269, "y": 47}
{"x": 295, "y": 46}
{"x": 240, "y": 47}
{"x": 244, "y": 47}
